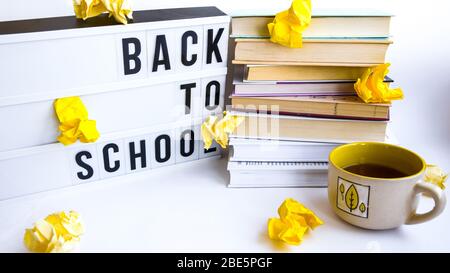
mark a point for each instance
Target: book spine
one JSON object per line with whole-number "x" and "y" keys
{"x": 356, "y": 54}
{"x": 279, "y": 127}
{"x": 368, "y": 117}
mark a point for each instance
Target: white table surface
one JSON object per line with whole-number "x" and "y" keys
{"x": 189, "y": 208}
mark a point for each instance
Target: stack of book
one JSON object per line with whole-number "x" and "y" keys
{"x": 300, "y": 103}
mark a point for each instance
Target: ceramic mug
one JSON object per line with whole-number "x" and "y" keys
{"x": 380, "y": 203}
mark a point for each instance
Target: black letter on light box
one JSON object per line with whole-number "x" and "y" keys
{"x": 134, "y": 155}
{"x": 184, "y": 38}
{"x": 216, "y": 85}
{"x": 212, "y": 46}
{"x": 128, "y": 57}
{"x": 187, "y": 101}
{"x": 183, "y": 143}
{"x": 107, "y": 164}
{"x": 158, "y": 140}
{"x": 161, "y": 44}
{"x": 84, "y": 165}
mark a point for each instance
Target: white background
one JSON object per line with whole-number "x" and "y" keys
{"x": 188, "y": 207}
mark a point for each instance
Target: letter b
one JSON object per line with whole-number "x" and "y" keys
{"x": 129, "y": 57}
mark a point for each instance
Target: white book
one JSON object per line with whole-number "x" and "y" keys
{"x": 277, "y": 174}
{"x": 264, "y": 172}
{"x": 279, "y": 150}
{"x": 249, "y": 149}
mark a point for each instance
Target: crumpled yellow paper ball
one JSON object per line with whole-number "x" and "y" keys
{"x": 295, "y": 220}
{"x": 371, "y": 87}
{"x": 288, "y": 26}
{"x": 74, "y": 122}
{"x": 58, "y": 232}
{"x": 216, "y": 129}
{"x": 119, "y": 9}
{"x": 435, "y": 175}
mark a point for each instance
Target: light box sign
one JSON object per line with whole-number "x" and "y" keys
{"x": 53, "y": 166}
{"x": 117, "y": 110}
{"x": 148, "y": 84}
{"x": 63, "y": 53}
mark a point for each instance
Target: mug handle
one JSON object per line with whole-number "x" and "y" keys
{"x": 438, "y": 196}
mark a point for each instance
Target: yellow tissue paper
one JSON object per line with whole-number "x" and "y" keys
{"x": 288, "y": 26}
{"x": 435, "y": 175}
{"x": 58, "y": 232}
{"x": 88, "y": 131}
{"x": 288, "y": 230}
{"x": 207, "y": 131}
{"x": 119, "y": 9}
{"x": 371, "y": 87}
{"x": 294, "y": 208}
{"x": 74, "y": 123}
{"x": 295, "y": 220}
{"x": 216, "y": 129}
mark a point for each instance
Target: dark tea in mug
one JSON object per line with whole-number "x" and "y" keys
{"x": 375, "y": 170}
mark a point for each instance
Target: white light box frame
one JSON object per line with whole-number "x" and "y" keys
{"x": 41, "y": 62}
{"x": 31, "y": 124}
{"x": 149, "y": 83}
{"x": 53, "y": 166}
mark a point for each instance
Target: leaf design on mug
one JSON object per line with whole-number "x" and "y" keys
{"x": 342, "y": 190}
{"x": 351, "y": 198}
{"x": 362, "y": 207}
